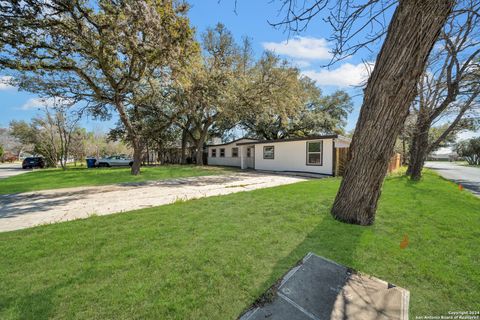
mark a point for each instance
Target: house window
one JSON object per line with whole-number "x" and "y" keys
{"x": 249, "y": 152}
{"x": 222, "y": 153}
{"x": 314, "y": 153}
{"x": 214, "y": 153}
{"x": 234, "y": 152}
{"x": 268, "y": 152}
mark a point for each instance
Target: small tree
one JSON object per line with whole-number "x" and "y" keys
{"x": 21, "y": 132}
{"x": 1, "y": 152}
{"x": 469, "y": 150}
{"x": 96, "y": 51}
{"x": 50, "y": 134}
{"x": 78, "y": 145}
{"x": 41, "y": 135}
{"x": 64, "y": 119}
{"x": 10, "y": 143}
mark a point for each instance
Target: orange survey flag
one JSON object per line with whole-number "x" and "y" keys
{"x": 404, "y": 242}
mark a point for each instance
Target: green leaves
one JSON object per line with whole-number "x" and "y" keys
{"x": 279, "y": 102}
{"x": 469, "y": 150}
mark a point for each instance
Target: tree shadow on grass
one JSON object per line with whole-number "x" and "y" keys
{"x": 330, "y": 239}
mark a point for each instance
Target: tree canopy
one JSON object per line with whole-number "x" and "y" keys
{"x": 279, "y": 103}
{"x": 469, "y": 150}
{"x": 100, "y": 52}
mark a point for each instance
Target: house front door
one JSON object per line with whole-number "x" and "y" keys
{"x": 251, "y": 157}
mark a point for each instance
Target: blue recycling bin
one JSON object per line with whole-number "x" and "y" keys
{"x": 91, "y": 162}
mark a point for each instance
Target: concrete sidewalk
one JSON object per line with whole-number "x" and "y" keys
{"x": 11, "y": 169}
{"x": 24, "y": 210}
{"x": 319, "y": 289}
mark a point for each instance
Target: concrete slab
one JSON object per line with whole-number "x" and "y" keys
{"x": 319, "y": 289}
{"x": 279, "y": 309}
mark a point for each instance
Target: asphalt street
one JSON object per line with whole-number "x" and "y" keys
{"x": 468, "y": 177}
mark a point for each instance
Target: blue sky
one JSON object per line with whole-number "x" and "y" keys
{"x": 308, "y": 50}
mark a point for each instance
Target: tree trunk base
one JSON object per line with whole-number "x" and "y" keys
{"x": 135, "y": 170}
{"x": 353, "y": 219}
{"x": 346, "y": 213}
{"x": 416, "y": 172}
{"x": 137, "y": 160}
{"x": 199, "y": 155}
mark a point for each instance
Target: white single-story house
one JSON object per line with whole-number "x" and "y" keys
{"x": 315, "y": 154}
{"x": 443, "y": 154}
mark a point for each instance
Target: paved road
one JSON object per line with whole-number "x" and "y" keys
{"x": 10, "y": 169}
{"x": 468, "y": 177}
{"x": 24, "y": 210}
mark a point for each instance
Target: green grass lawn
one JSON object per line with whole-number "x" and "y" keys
{"x": 210, "y": 258}
{"x": 43, "y": 179}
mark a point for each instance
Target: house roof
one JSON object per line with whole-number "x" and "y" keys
{"x": 331, "y": 136}
{"x": 234, "y": 141}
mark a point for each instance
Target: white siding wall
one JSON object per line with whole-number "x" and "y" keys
{"x": 291, "y": 156}
{"x": 342, "y": 143}
{"x": 228, "y": 160}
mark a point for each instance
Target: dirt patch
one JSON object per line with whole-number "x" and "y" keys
{"x": 24, "y": 210}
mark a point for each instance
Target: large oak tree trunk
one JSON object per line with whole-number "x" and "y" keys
{"x": 199, "y": 155}
{"x": 390, "y": 90}
{"x": 132, "y": 136}
{"x": 200, "y": 143}
{"x": 419, "y": 147}
{"x": 137, "y": 157}
{"x": 183, "y": 159}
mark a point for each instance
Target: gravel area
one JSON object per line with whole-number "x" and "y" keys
{"x": 24, "y": 210}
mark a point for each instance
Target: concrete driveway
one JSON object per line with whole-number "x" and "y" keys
{"x": 468, "y": 177}
{"x": 11, "y": 169}
{"x": 24, "y": 210}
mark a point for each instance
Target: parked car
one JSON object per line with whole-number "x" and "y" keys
{"x": 114, "y": 161}
{"x": 33, "y": 162}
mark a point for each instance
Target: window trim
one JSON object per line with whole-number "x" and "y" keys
{"x": 273, "y": 157}
{"x": 214, "y": 153}
{"x": 222, "y": 149}
{"x": 308, "y": 153}
{"x": 235, "y": 148}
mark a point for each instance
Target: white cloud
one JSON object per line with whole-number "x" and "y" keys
{"x": 5, "y": 83}
{"x": 301, "y": 63}
{"x": 465, "y": 135}
{"x": 346, "y": 75}
{"x": 307, "y": 48}
{"x": 36, "y": 103}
